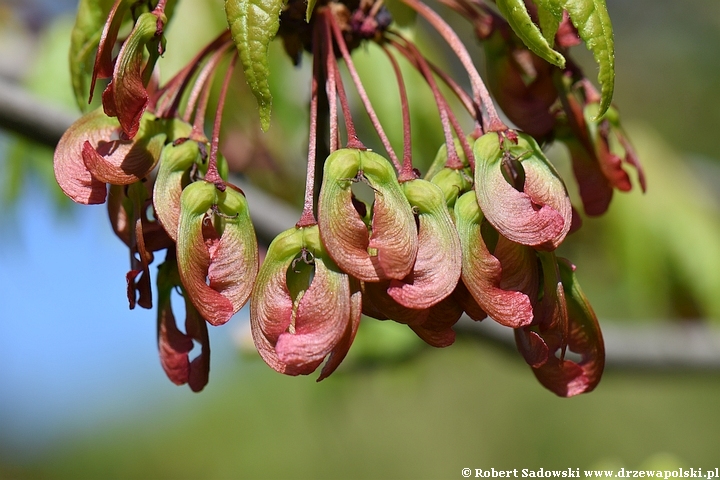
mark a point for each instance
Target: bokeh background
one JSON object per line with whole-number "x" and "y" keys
{"x": 82, "y": 394}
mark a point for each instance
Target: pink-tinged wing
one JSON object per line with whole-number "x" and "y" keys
{"x": 464, "y": 298}
{"x": 482, "y": 273}
{"x": 176, "y": 161}
{"x": 595, "y": 191}
{"x": 394, "y": 232}
{"x": 341, "y": 349}
{"x": 104, "y": 58}
{"x": 173, "y": 345}
{"x": 437, "y": 330}
{"x": 122, "y": 162}
{"x": 610, "y": 163}
{"x": 72, "y": 175}
{"x": 390, "y": 250}
{"x": 539, "y": 215}
{"x": 581, "y": 335}
{"x": 522, "y": 83}
{"x": 302, "y": 308}
{"x": 377, "y": 300}
{"x": 439, "y": 260}
{"x": 127, "y": 97}
{"x": 271, "y": 305}
{"x": 193, "y": 254}
{"x": 196, "y": 328}
{"x": 531, "y": 346}
{"x": 234, "y": 255}
{"x": 321, "y": 320}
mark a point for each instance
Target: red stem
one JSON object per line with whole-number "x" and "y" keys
{"x": 308, "y": 217}
{"x": 407, "y": 172}
{"x": 332, "y": 67}
{"x": 160, "y": 7}
{"x": 173, "y": 90}
{"x": 330, "y": 84}
{"x": 212, "y": 174}
{"x": 418, "y": 60}
{"x": 200, "y": 92}
{"x": 492, "y": 123}
{"x": 362, "y": 93}
{"x": 462, "y": 96}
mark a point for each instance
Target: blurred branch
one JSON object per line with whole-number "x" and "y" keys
{"x": 22, "y": 113}
{"x": 656, "y": 345}
{"x": 660, "y": 345}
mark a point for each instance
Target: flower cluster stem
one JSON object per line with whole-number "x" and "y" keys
{"x": 492, "y": 123}
{"x": 213, "y": 175}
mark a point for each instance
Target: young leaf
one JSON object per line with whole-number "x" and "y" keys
{"x": 253, "y": 24}
{"x": 519, "y": 19}
{"x": 309, "y": 11}
{"x": 592, "y": 21}
{"x": 549, "y": 17}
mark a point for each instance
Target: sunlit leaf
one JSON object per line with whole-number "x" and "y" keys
{"x": 550, "y": 13}
{"x": 592, "y": 21}
{"x": 253, "y": 24}
{"x": 310, "y": 8}
{"x": 519, "y": 19}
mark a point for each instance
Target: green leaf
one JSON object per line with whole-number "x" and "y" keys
{"x": 519, "y": 19}
{"x": 549, "y": 21}
{"x": 310, "y": 8}
{"x": 552, "y": 7}
{"x": 253, "y": 24}
{"x": 592, "y": 21}
{"x": 84, "y": 40}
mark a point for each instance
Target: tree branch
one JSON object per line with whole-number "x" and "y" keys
{"x": 22, "y": 113}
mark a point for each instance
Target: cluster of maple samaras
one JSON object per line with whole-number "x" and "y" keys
{"x": 475, "y": 235}
{"x": 424, "y": 251}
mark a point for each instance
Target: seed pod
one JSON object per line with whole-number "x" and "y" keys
{"x": 386, "y": 248}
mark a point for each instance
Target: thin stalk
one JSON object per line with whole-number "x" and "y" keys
{"x": 418, "y": 60}
{"x": 160, "y": 7}
{"x": 332, "y": 66}
{"x": 212, "y": 174}
{"x": 331, "y": 83}
{"x": 407, "y": 172}
{"x": 461, "y": 95}
{"x": 200, "y": 93}
{"x": 173, "y": 90}
{"x": 492, "y": 123}
{"x": 308, "y": 217}
{"x": 362, "y": 93}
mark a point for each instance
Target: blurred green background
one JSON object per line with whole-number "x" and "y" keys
{"x": 396, "y": 409}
